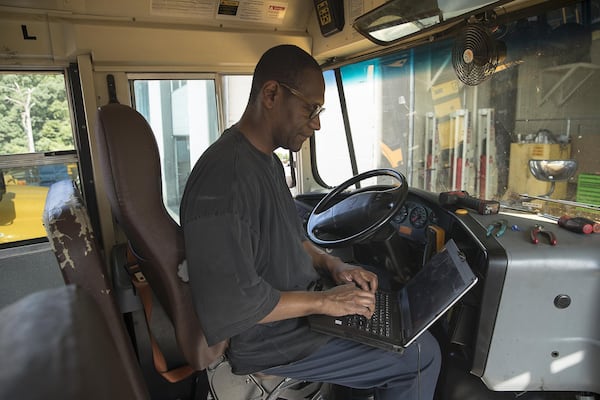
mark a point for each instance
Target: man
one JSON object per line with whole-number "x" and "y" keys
{"x": 250, "y": 262}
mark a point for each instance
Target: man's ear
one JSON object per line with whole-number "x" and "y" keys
{"x": 269, "y": 93}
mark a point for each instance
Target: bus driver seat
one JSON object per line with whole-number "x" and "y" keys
{"x": 130, "y": 167}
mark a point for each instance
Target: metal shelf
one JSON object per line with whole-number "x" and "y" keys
{"x": 567, "y": 71}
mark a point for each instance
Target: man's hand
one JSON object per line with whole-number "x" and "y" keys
{"x": 346, "y": 273}
{"x": 348, "y": 299}
{"x": 341, "y": 272}
{"x": 355, "y": 293}
{"x": 339, "y": 301}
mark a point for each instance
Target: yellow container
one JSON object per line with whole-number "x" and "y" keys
{"x": 520, "y": 179}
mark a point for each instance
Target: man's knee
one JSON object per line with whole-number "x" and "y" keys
{"x": 429, "y": 353}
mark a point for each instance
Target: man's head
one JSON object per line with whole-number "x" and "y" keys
{"x": 285, "y": 63}
{"x": 286, "y": 97}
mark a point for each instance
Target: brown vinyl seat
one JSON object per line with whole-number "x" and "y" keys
{"x": 130, "y": 166}
{"x": 81, "y": 263}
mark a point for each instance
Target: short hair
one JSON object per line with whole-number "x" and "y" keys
{"x": 284, "y": 63}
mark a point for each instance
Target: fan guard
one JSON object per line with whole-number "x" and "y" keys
{"x": 476, "y": 54}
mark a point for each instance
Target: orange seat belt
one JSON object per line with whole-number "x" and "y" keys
{"x": 145, "y": 293}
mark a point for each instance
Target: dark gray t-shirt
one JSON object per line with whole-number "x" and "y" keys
{"x": 243, "y": 243}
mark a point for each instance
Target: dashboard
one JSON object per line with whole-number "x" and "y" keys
{"x": 531, "y": 305}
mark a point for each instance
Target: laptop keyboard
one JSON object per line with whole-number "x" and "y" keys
{"x": 379, "y": 323}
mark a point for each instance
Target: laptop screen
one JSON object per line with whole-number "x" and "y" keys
{"x": 437, "y": 286}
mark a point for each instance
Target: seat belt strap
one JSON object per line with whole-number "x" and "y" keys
{"x": 145, "y": 293}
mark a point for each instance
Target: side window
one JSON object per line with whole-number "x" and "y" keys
{"x": 331, "y": 147}
{"x": 183, "y": 115}
{"x": 36, "y": 149}
{"x": 236, "y": 89}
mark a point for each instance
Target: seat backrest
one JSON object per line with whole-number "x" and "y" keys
{"x": 55, "y": 344}
{"x": 81, "y": 263}
{"x": 130, "y": 166}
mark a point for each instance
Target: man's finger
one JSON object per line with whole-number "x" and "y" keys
{"x": 366, "y": 281}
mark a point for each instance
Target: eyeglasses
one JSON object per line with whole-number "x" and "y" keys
{"x": 316, "y": 108}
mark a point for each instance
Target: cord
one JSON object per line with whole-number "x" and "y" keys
{"x": 419, "y": 370}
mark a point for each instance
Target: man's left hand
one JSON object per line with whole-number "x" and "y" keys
{"x": 345, "y": 273}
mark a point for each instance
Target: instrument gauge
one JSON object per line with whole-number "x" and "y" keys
{"x": 418, "y": 217}
{"x": 401, "y": 214}
{"x": 433, "y": 218}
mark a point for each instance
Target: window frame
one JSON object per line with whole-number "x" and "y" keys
{"x": 36, "y": 159}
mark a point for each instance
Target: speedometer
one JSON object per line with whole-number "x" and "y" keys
{"x": 418, "y": 217}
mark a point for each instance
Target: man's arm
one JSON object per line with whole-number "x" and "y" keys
{"x": 340, "y": 300}
{"x": 354, "y": 295}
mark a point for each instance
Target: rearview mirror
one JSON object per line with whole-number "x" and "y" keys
{"x": 400, "y": 19}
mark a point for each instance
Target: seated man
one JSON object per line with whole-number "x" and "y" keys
{"x": 250, "y": 262}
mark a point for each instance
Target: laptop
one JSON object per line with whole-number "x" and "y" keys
{"x": 401, "y": 317}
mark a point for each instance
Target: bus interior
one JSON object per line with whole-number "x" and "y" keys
{"x": 487, "y": 108}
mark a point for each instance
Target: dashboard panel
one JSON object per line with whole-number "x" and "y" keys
{"x": 531, "y": 299}
{"x": 413, "y": 218}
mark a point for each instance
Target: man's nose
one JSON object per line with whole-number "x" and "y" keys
{"x": 315, "y": 123}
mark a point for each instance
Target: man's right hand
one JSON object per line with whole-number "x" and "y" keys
{"x": 348, "y": 299}
{"x": 338, "y": 301}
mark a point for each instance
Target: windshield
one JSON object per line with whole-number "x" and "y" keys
{"x": 506, "y": 112}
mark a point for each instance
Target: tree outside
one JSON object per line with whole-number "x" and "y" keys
{"x": 34, "y": 113}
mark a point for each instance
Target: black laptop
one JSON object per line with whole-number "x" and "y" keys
{"x": 401, "y": 317}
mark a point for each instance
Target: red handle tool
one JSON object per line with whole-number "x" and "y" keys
{"x": 537, "y": 229}
{"x": 578, "y": 224}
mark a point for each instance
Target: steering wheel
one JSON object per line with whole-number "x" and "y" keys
{"x": 338, "y": 221}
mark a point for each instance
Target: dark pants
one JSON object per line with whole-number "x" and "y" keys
{"x": 411, "y": 375}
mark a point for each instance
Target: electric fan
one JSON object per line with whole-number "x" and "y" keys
{"x": 476, "y": 54}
